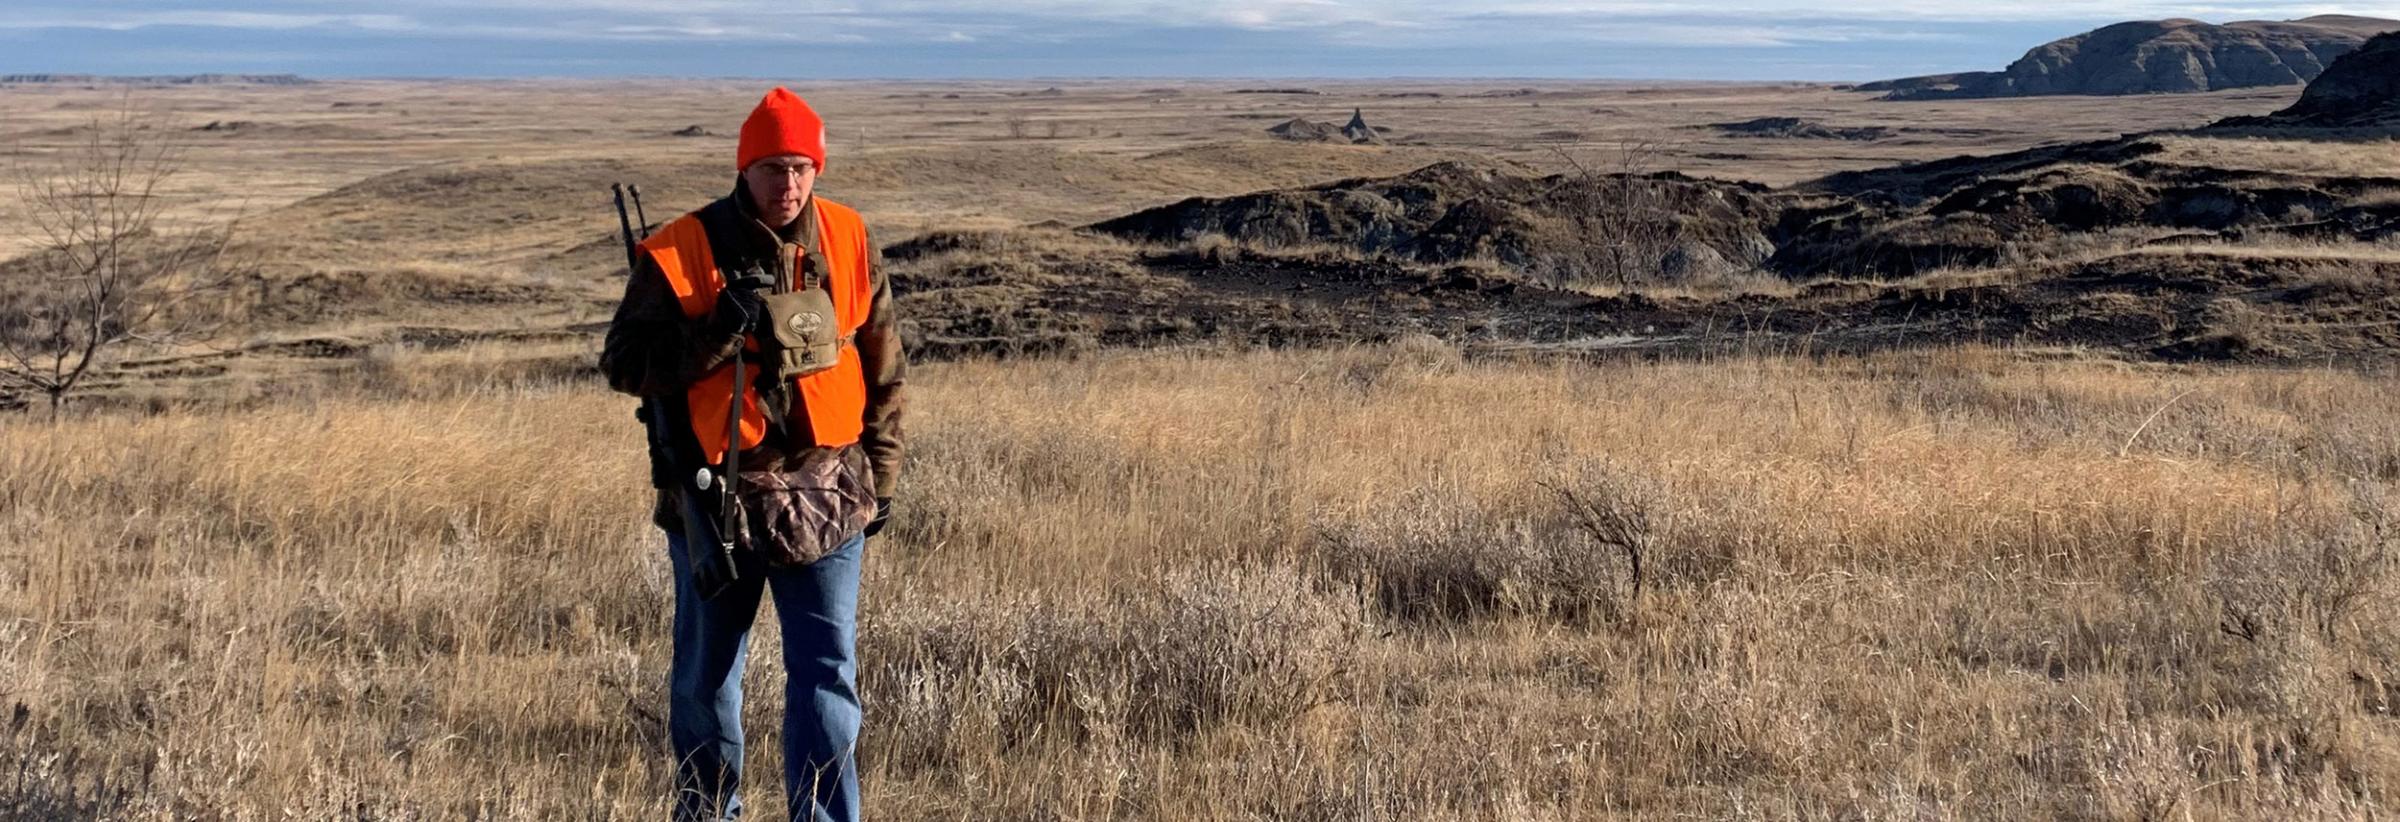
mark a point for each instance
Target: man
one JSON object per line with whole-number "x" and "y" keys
{"x": 824, "y": 392}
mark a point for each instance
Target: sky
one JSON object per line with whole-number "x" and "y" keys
{"x": 811, "y": 39}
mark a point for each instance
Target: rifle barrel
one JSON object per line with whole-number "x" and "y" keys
{"x": 642, "y": 219}
{"x": 625, "y": 228}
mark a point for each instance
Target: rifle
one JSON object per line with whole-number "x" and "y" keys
{"x": 676, "y": 465}
{"x": 639, "y": 218}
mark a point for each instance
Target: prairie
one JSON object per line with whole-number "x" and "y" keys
{"x": 2094, "y": 525}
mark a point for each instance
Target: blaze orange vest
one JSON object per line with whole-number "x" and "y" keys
{"x": 833, "y": 401}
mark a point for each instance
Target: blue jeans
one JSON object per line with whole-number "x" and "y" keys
{"x": 818, "y": 606}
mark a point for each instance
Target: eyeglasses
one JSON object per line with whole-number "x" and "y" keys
{"x": 791, "y": 172}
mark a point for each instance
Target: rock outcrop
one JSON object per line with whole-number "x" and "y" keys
{"x": 2159, "y": 57}
{"x": 2360, "y": 89}
{"x": 1358, "y": 131}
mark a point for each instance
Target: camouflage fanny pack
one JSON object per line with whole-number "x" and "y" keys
{"x": 796, "y": 516}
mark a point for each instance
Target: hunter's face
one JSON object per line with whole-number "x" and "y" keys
{"x": 779, "y": 186}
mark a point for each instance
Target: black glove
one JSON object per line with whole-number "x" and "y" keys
{"x": 712, "y": 571}
{"x": 739, "y": 311}
{"x": 883, "y": 514}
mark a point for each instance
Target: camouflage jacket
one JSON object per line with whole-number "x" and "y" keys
{"x": 653, "y": 351}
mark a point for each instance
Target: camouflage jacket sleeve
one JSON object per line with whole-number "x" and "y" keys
{"x": 886, "y": 368}
{"x": 652, "y": 350}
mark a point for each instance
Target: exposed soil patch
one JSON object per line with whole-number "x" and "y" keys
{"x": 1794, "y": 128}
{"x": 1021, "y": 292}
{"x": 1451, "y": 213}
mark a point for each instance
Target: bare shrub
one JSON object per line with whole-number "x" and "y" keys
{"x": 2312, "y": 604}
{"x": 389, "y": 369}
{"x": 38, "y": 781}
{"x": 1410, "y": 354}
{"x": 1572, "y": 546}
{"x": 2239, "y": 326}
{"x": 1618, "y": 512}
{"x": 1630, "y": 234}
{"x": 1217, "y": 248}
{"x": 2144, "y": 775}
{"x": 104, "y": 272}
{"x": 2310, "y": 620}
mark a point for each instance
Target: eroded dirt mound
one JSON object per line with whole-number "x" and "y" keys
{"x": 1794, "y": 128}
{"x": 2176, "y": 304}
{"x": 1029, "y": 291}
{"x": 1305, "y": 130}
{"x": 1563, "y": 226}
{"x": 1301, "y": 129}
{"x": 2088, "y": 198}
{"x": 1887, "y": 223}
{"x": 1971, "y": 211}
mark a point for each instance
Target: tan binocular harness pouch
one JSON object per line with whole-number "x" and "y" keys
{"x": 807, "y": 338}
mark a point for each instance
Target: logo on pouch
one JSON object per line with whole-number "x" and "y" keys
{"x": 806, "y": 323}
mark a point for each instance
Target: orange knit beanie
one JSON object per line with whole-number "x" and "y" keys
{"x": 782, "y": 124}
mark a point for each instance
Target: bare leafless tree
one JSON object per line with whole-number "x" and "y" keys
{"x": 1628, "y": 227}
{"x": 1634, "y": 232}
{"x": 101, "y": 273}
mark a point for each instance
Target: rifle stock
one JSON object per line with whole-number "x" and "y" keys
{"x": 675, "y": 473}
{"x": 676, "y": 464}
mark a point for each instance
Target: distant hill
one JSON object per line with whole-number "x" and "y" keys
{"x": 157, "y": 79}
{"x": 2159, "y": 57}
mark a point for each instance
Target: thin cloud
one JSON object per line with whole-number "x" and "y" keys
{"x": 1745, "y": 22}
{"x": 921, "y": 37}
{"x": 267, "y": 21}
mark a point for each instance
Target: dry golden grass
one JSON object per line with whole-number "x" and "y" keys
{"x": 1374, "y": 583}
{"x": 2277, "y": 249}
{"x": 2357, "y": 158}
